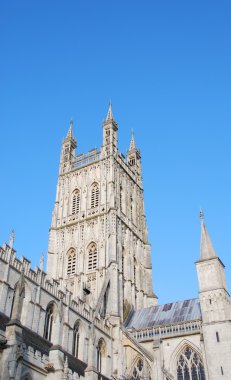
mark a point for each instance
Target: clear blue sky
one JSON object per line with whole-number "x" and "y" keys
{"x": 166, "y": 67}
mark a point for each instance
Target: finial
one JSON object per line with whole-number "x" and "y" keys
{"x": 201, "y": 214}
{"x": 41, "y": 261}
{"x": 12, "y": 236}
{"x": 109, "y": 112}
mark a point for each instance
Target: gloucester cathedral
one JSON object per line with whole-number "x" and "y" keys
{"x": 93, "y": 313}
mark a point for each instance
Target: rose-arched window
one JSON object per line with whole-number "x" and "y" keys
{"x": 94, "y": 195}
{"x": 71, "y": 261}
{"x": 92, "y": 256}
{"x": 190, "y": 365}
{"x": 75, "y": 202}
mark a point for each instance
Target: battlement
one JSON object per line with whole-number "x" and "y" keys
{"x": 86, "y": 159}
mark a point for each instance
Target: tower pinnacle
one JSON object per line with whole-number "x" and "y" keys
{"x": 132, "y": 143}
{"x": 109, "y": 113}
{"x": 207, "y": 250}
{"x": 70, "y": 130}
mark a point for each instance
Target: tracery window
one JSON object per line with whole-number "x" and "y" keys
{"x": 92, "y": 256}
{"x": 49, "y": 318}
{"x": 75, "y": 347}
{"x": 95, "y": 195}
{"x": 190, "y": 366}
{"x": 75, "y": 202}
{"x": 71, "y": 261}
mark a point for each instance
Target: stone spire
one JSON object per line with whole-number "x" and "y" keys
{"x": 19, "y": 295}
{"x": 132, "y": 143}
{"x": 109, "y": 113}
{"x": 206, "y": 248}
{"x": 70, "y": 130}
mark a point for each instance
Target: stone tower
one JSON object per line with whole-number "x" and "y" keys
{"x": 216, "y": 309}
{"x": 98, "y": 244}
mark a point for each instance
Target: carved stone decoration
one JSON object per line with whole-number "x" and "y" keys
{"x": 49, "y": 367}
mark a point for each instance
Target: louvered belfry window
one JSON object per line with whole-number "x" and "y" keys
{"x": 75, "y": 202}
{"x": 95, "y": 195}
{"x": 71, "y": 261}
{"x": 92, "y": 256}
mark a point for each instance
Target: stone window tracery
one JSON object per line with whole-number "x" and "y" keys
{"x": 95, "y": 195}
{"x": 71, "y": 261}
{"x": 75, "y": 202}
{"x": 49, "y": 318}
{"x": 92, "y": 256}
{"x": 190, "y": 366}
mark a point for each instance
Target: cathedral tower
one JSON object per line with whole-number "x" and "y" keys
{"x": 98, "y": 244}
{"x": 215, "y": 307}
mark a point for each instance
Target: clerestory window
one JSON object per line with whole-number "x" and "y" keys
{"x": 94, "y": 195}
{"x": 75, "y": 202}
{"x": 92, "y": 256}
{"x": 75, "y": 347}
{"x": 101, "y": 351}
{"x": 49, "y": 318}
{"x": 71, "y": 261}
{"x": 190, "y": 365}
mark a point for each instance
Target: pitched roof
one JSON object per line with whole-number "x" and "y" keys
{"x": 175, "y": 312}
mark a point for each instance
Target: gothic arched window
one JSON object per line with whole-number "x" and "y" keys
{"x": 101, "y": 351}
{"x": 94, "y": 195}
{"x": 71, "y": 261}
{"x": 75, "y": 347}
{"x": 92, "y": 256}
{"x": 75, "y": 202}
{"x": 49, "y": 318}
{"x": 189, "y": 365}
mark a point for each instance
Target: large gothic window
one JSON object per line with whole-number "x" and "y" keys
{"x": 75, "y": 347}
{"x": 92, "y": 256}
{"x": 75, "y": 202}
{"x": 94, "y": 195}
{"x": 71, "y": 261}
{"x": 190, "y": 366}
{"x": 49, "y": 319}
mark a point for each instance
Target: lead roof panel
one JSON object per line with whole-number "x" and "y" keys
{"x": 170, "y": 313}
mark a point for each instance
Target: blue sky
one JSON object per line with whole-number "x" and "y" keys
{"x": 166, "y": 68}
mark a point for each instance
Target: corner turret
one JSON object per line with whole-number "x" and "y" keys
{"x": 215, "y": 308}
{"x": 68, "y": 150}
{"x": 110, "y": 128}
{"x": 133, "y": 156}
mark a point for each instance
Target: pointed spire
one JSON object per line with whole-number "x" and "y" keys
{"x": 132, "y": 143}
{"x": 70, "y": 130}
{"x": 12, "y": 236}
{"x": 206, "y": 249}
{"x": 41, "y": 261}
{"x": 109, "y": 113}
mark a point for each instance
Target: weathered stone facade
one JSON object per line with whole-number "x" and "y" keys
{"x": 93, "y": 313}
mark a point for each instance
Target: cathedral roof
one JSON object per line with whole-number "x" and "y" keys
{"x": 170, "y": 313}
